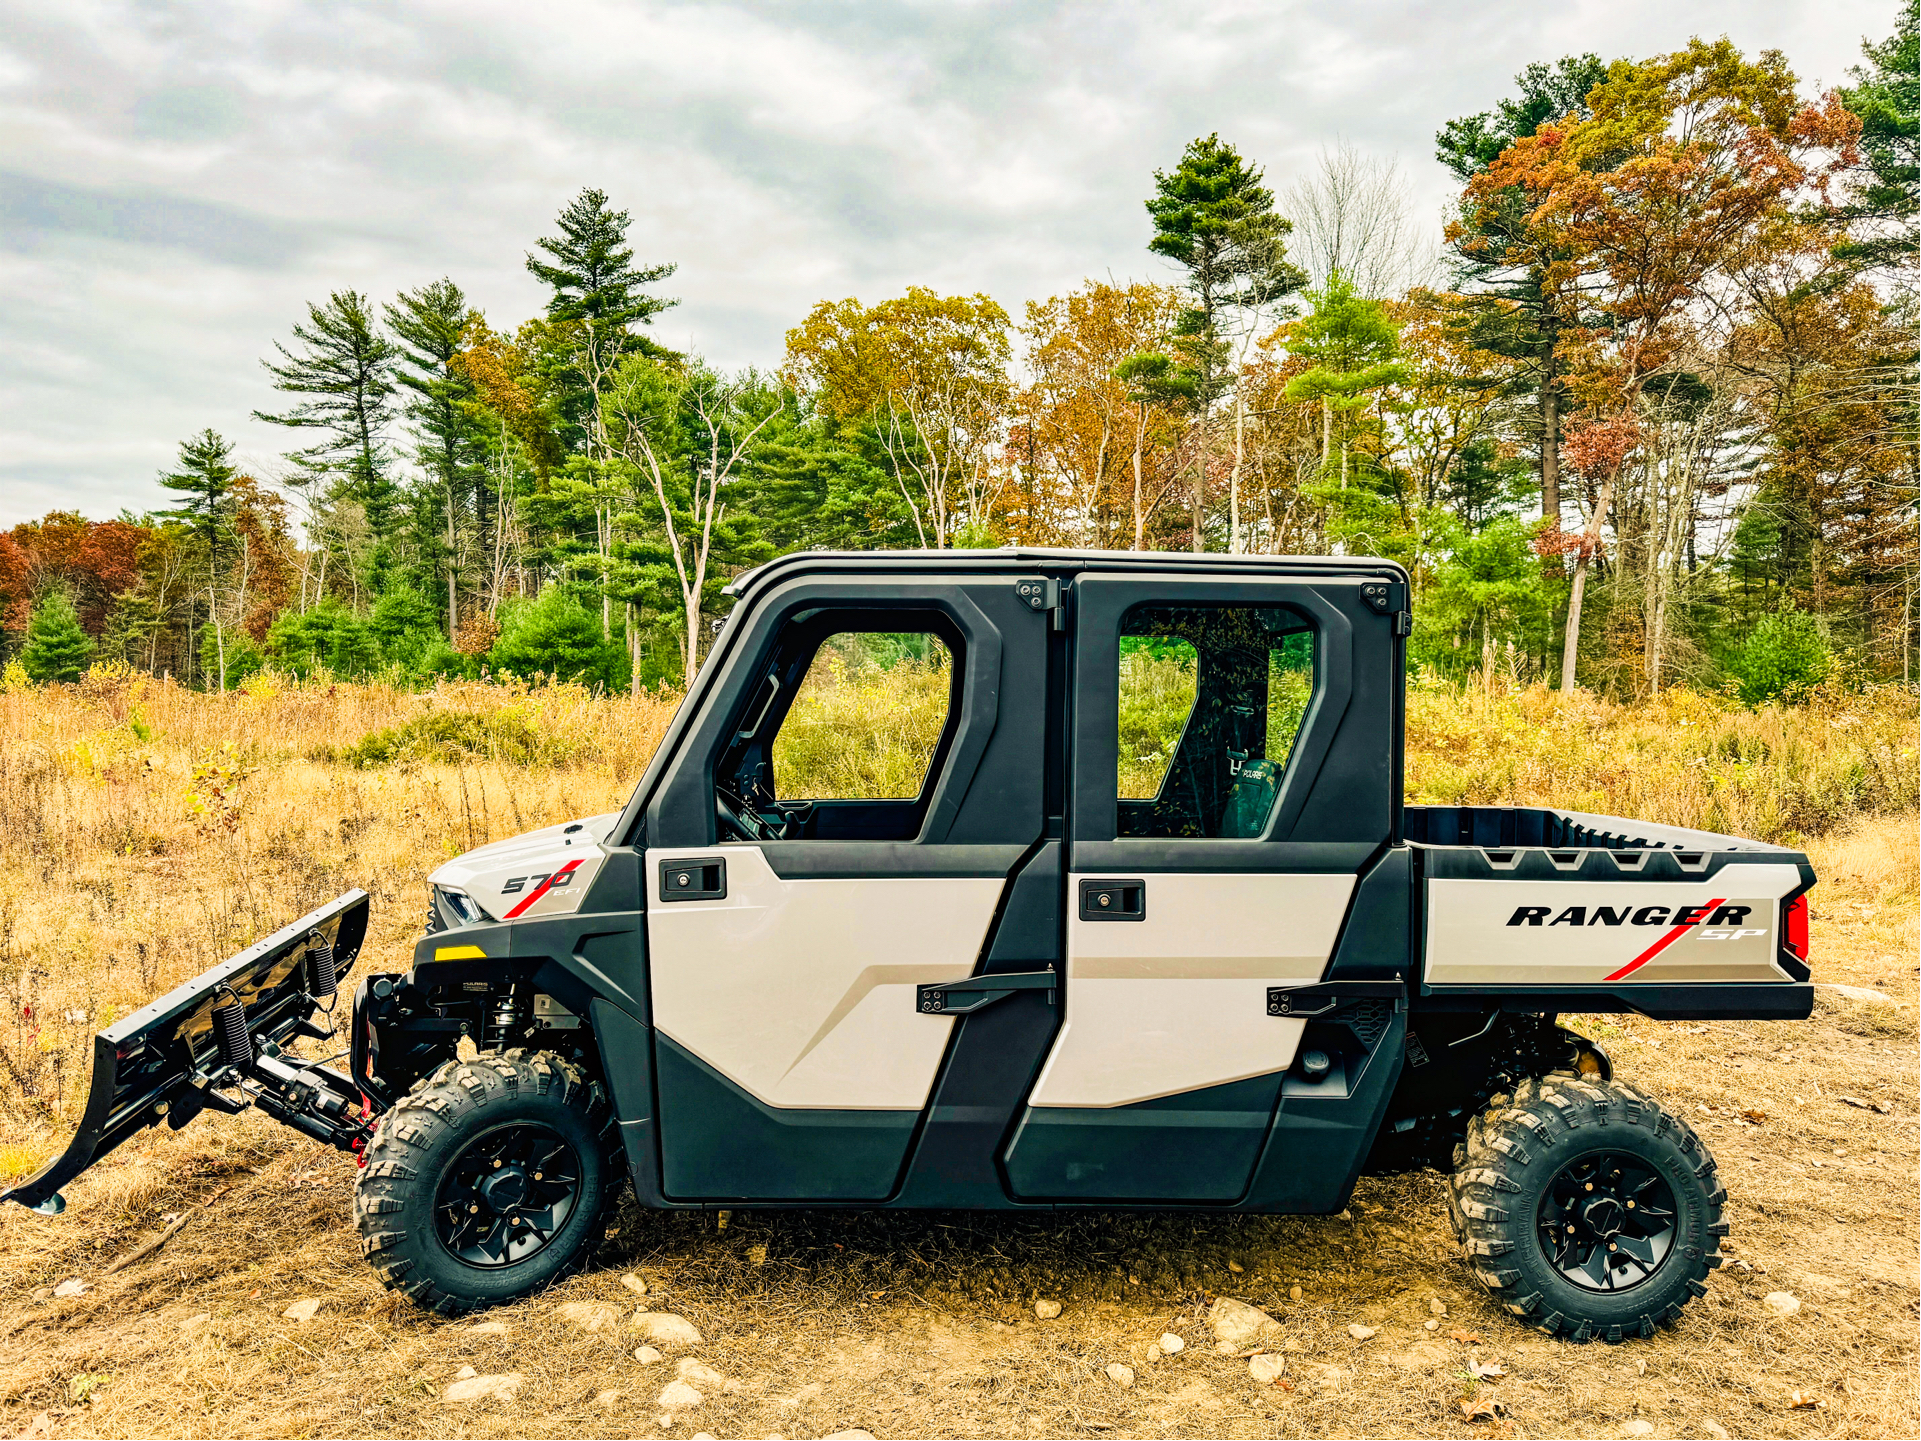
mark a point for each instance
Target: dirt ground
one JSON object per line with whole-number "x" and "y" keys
{"x": 925, "y": 1325}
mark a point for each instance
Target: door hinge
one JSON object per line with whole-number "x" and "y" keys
{"x": 1043, "y": 592}
{"x": 964, "y": 997}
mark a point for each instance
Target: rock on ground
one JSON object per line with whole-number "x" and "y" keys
{"x": 1239, "y": 1324}
{"x": 1172, "y": 1344}
{"x": 489, "y": 1328}
{"x": 634, "y": 1283}
{"x": 679, "y": 1396}
{"x": 696, "y": 1373}
{"x": 666, "y": 1329}
{"x": 305, "y": 1309}
{"x": 487, "y": 1388}
{"x": 1855, "y": 993}
{"x": 1637, "y": 1427}
{"x": 1121, "y": 1376}
{"x": 589, "y": 1316}
{"x": 1783, "y": 1303}
{"x": 854, "y": 1435}
{"x": 1047, "y": 1310}
{"x": 1266, "y": 1368}
{"x": 1360, "y": 1332}
{"x": 646, "y": 1355}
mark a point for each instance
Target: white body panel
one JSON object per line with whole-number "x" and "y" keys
{"x": 1604, "y": 931}
{"x": 507, "y": 878}
{"x": 802, "y": 992}
{"x": 1178, "y": 1000}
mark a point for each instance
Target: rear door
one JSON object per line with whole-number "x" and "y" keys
{"x": 837, "y": 829}
{"x": 1228, "y": 783}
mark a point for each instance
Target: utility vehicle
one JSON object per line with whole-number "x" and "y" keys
{"x": 1140, "y": 921}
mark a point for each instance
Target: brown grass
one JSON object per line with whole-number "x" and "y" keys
{"x": 902, "y": 1324}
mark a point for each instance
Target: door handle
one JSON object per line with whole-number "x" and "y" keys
{"x": 699, "y": 878}
{"x": 1105, "y": 900}
{"x": 964, "y": 997}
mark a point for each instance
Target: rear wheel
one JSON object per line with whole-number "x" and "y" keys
{"x": 491, "y": 1180}
{"x": 1586, "y": 1209}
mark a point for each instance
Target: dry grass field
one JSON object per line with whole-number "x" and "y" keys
{"x": 148, "y": 832}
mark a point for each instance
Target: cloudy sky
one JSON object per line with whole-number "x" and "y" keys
{"x": 178, "y": 179}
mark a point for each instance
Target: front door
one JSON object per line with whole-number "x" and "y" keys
{"x": 837, "y": 829}
{"x": 1215, "y": 833}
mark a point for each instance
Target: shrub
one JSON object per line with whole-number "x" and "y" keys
{"x": 557, "y": 636}
{"x": 405, "y": 625}
{"x": 243, "y": 658}
{"x": 1786, "y": 657}
{"x": 328, "y": 637}
{"x": 453, "y": 736}
{"x": 57, "y": 648}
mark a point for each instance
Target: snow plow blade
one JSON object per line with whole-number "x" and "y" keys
{"x": 166, "y": 1060}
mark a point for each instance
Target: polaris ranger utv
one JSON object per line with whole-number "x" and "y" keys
{"x": 1077, "y": 959}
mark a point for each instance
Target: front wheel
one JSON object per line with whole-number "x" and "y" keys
{"x": 1586, "y": 1209}
{"x": 489, "y": 1181}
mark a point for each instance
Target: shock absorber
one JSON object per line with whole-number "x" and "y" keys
{"x": 230, "y": 1030}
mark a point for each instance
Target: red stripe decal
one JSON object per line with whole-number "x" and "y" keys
{"x": 1661, "y": 945}
{"x": 568, "y": 869}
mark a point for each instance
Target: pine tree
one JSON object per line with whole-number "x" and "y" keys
{"x": 346, "y": 367}
{"x": 57, "y": 648}
{"x": 1887, "y": 194}
{"x": 205, "y": 481}
{"x": 428, "y": 323}
{"x": 1214, "y": 218}
{"x": 592, "y": 274}
{"x": 1514, "y": 314}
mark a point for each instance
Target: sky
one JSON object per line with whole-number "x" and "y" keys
{"x": 179, "y": 180}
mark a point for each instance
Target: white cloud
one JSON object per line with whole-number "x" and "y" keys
{"x": 177, "y": 182}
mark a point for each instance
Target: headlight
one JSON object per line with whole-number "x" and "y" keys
{"x": 451, "y": 909}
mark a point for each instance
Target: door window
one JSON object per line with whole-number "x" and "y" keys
{"x": 1211, "y": 700}
{"x": 843, "y": 736}
{"x": 866, "y": 719}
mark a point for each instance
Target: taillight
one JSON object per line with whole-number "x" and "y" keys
{"x": 1794, "y": 928}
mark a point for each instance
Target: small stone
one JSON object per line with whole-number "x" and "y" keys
{"x": 484, "y": 1388}
{"x": 305, "y": 1309}
{"x": 1236, "y": 1267}
{"x": 1239, "y": 1323}
{"x": 1637, "y": 1427}
{"x": 1855, "y": 993}
{"x": 1783, "y": 1303}
{"x": 1121, "y": 1376}
{"x": 194, "y": 1322}
{"x": 634, "y": 1283}
{"x": 1293, "y": 1293}
{"x": 1433, "y": 1325}
{"x": 697, "y": 1373}
{"x": 1227, "y": 1348}
{"x": 1715, "y": 1429}
{"x": 607, "y": 1399}
{"x": 464, "y": 1373}
{"x": 1172, "y": 1344}
{"x": 1437, "y": 1307}
{"x": 679, "y": 1396}
{"x": 71, "y": 1288}
{"x": 667, "y": 1329}
{"x": 1359, "y": 1332}
{"x": 489, "y": 1328}
{"x": 40, "y": 1293}
{"x": 589, "y": 1316}
{"x": 1347, "y": 1215}
{"x": 1047, "y": 1310}
{"x": 1266, "y": 1368}
{"x": 646, "y": 1355}
{"x": 856, "y": 1434}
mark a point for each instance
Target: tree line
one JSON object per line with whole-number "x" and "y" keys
{"x": 1643, "y": 414}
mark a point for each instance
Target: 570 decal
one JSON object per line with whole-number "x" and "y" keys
{"x": 543, "y": 883}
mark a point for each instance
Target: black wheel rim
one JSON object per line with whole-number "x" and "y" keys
{"x": 507, "y": 1195}
{"x": 1607, "y": 1221}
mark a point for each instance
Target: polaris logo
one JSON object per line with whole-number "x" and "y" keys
{"x": 1631, "y": 915}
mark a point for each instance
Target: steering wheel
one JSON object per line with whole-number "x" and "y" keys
{"x": 736, "y": 815}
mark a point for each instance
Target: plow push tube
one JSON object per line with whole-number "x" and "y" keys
{"x": 164, "y": 1062}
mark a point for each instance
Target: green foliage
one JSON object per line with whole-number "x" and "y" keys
{"x": 57, "y": 648}
{"x": 243, "y": 657}
{"x": 204, "y": 482}
{"x": 1488, "y": 588}
{"x": 1887, "y": 190}
{"x": 1470, "y": 144}
{"x": 405, "y": 625}
{"x": 1786, "y": 657}
{"x": 329, "y": 637}
{"x": 449, "y": 737}
{"x": 556, "y": 636}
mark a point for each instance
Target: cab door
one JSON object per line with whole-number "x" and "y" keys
{"x": 1226, "y": 791}
{"x": 836, "y": 829}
